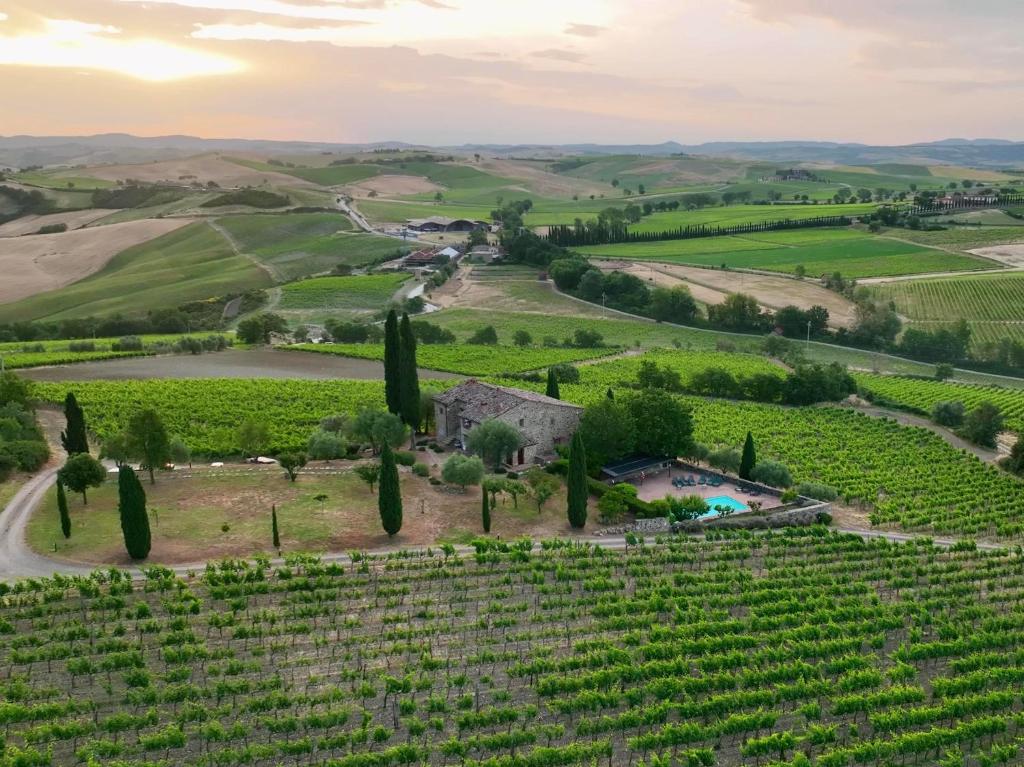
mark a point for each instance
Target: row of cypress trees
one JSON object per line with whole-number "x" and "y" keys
{"x": 131, "y": 497}
{"x": 401, "y": 379}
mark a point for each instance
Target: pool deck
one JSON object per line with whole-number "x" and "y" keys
{"x": 660, "y": 485}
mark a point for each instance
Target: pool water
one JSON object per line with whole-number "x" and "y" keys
{"x": 724, "y": 500}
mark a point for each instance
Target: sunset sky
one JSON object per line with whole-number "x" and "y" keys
{"x": 491, "y": 71}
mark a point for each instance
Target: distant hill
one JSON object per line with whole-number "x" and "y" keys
{"x": 21, "y": 151}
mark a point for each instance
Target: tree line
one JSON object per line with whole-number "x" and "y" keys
{"x": 600, "y": 232}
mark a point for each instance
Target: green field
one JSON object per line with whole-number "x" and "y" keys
{"x": 962, "y": 238}
{"x": 325, "y": 175}
{"x": 994, "y": 297}
{"x": 188, "y": 264}
{"x": 634, "y": 332}
{"x": 854, "y": 257}
{"x": 733, "y": 215}
{"x": 993, "y": 304}
{"x": 21, "y": 354}
{"x": 357, "y": 293}
{"x": 799, "y": 648}
{"x": 61, "y": 178}
{"x": 922, "y": 395}
{"x": 296, "y": 245}
{"x": 468, "y": 359}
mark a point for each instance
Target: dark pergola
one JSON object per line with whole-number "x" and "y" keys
{"x": 634, "y": 464}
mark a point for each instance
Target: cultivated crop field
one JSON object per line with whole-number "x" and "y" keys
{"x": 362, "y": 293}
{"x": 923, "y": 394}
{"x": 468, "y": 359}
{"x": 191, "y": 263}
{"x": 977, "y": 297}
{"x": 206, "y": 412}
{"x": 853, "y": 257}
{"x": 296, "y": 245}
{"x": 808, "y": 647}
{"x": 731, "y": 215}
{"x": 19, "y": 354}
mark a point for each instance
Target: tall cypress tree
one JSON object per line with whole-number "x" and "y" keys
{"x": 552, "y": 390}
{"x": 132, "y": 507}
{"x": 577, "y": 482}
{"x": 486, "y": 511}
{"x": 273, "y": 527}
{"x": 62, "y": 508}
{"x": 408, "y": 379}
{"x": 74, "y": 438}
{"x": 392, "y": 364}
{"x": 749, "y": 458}
{"x": 389, "y": 493}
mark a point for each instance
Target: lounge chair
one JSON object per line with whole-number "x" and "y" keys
{"x": 703, "y": 480}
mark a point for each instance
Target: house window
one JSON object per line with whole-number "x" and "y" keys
{"x": 552, "y": 421}
{"x": 522, "y": 422}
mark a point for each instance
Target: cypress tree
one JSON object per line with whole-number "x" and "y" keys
{"x": 749, "y": 458}
{"x": 74, "y": 438}
{"x": 132, "y": 507}
{"x": 392, "y": 364}
{"x": 552, "y": 390}
{"x": 389, "y": 493}
{"x": 610, "y": 394}
{"x": 62, "y": 507}
{"x": 273, "y": 527}
{"x": 577, "y": 482}
{"x": 408, "y": 379}
{"x": 486, "y": 510}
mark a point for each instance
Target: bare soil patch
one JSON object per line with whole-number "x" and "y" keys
{"x": 397, "y": 184}
{"x": 45, "y": 262}
{"x": 1011, "y": 254}
{"x": 74, "y": 219}
{"x": 711, "y": 286}
{"x": 202, "y": 168}
{"x": 543, "y": 182}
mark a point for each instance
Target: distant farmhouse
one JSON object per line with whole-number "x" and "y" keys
{"x": 430, "y": 257}
{"x": 542, "y": 421}
{"x": 444, "y": 224}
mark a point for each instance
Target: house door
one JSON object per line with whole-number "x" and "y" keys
{"x": 520, "y": 457}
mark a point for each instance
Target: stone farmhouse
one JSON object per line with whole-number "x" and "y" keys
{"x": 542, "y": 421}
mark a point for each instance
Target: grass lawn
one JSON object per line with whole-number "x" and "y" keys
{"x": 300, "y": 244}
{"x": 188, "y": 264}
{"x": 853, "y": 257}
{"x": 356, "y": 293}
{"x": 188, "y": 516}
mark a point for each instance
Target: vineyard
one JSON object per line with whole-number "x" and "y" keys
{"x": 205, "y": 413}
{"x": 468, "y": 359}
{"x": 810, "y": 648}
{"x": 921, "y": 395}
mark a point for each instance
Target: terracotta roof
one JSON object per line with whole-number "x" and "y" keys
{"x": 481, "y": 400}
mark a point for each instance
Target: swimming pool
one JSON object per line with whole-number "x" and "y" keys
{"x": 723, "y": 500}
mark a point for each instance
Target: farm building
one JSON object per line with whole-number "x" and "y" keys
{"x": 486, "y": 253}
{"x": 542, "y": 422}
{"x": 444, "y": 224}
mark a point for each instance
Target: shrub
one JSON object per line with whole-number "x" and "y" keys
{"x": 817, "y": 491}
{"x": 127, "y": 344}
{"x": 463, "y": 470}
{"x": 615, "y": 503}
{"x": 326, "y": 445}
{"x": 772, "y": 473}
{"x": 726, "y": 459}
{"x": 565, "y": 372}
{"x": 685, "y": 507}
{"x": 486, "y": 336}
{"x": 949, "y": 414}
{"x": 421, "y": 469}
{"x": 82, "y": 346}
{"x": 405, "y": 458}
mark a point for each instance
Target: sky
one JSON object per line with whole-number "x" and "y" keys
{"x": 530, "y": 71}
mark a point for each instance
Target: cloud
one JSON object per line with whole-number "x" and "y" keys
{"x": 558, "y": 54}
{"x": 584, "y": 30}
{"x": 268, "y": 32}
{"x": 73, "y": 44}
{"x": 3, "y": 16}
